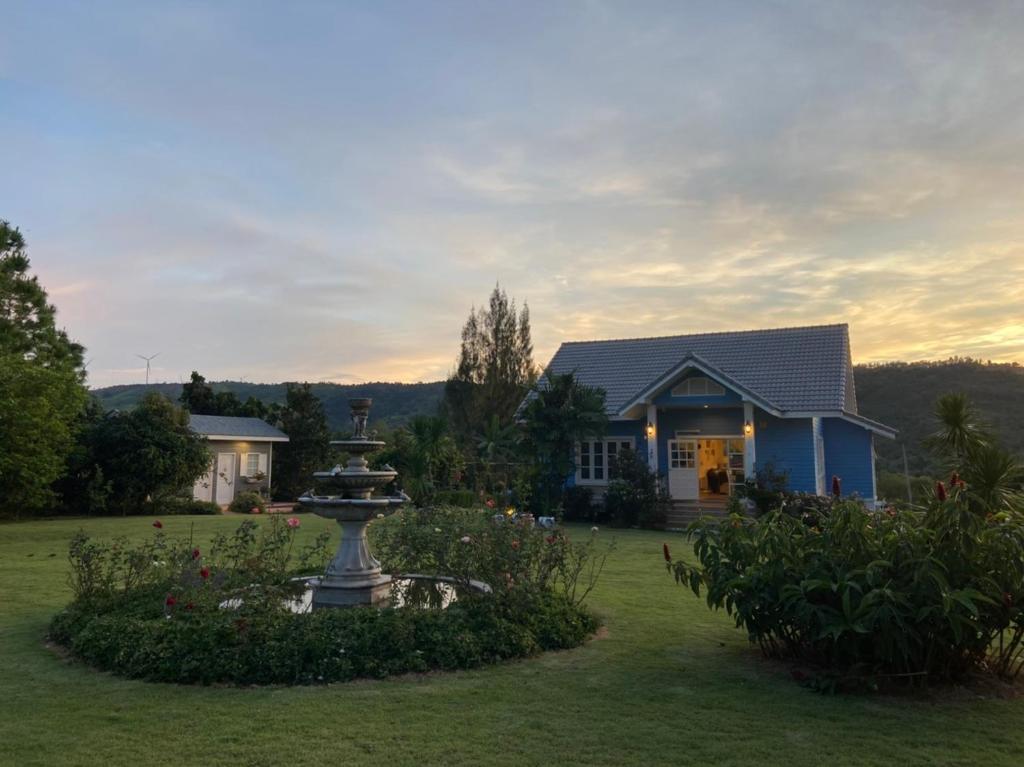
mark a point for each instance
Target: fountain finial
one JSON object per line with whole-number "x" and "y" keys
{"x": 359, "y": 407}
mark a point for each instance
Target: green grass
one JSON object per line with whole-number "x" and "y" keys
{"x": 669, "y": 683}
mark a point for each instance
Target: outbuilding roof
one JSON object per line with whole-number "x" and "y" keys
{"x": 790, "y": 370}
{"x": 232, "y": 427}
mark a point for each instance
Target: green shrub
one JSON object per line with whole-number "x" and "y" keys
{"x": 634, "y": 497}
{"x": 244, "y": 503}
{"x": 893, "y": 487}
{"x": 510, "y": 555}
{"x": 155, "y": 610}
{"x": 465, "y": 499}
{"x": 267, "y": 647}
{"x": 578, "y": 504}
{"x": 175, "y": 506}
{"x": 930, "y": 594}
{"x": 767, "y": 489}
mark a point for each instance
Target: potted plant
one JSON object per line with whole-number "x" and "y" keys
{"x": 255, "y": 479}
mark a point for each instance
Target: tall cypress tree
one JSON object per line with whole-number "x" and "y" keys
{"x": 495, "y": 368}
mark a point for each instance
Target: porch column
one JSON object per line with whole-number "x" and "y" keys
{"x": 652, "y": 442}
{"x": 749, "y": 449}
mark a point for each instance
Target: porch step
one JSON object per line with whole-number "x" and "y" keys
{"x": 681, "y": 513}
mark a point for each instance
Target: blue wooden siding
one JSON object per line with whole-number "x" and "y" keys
{"x": 718, "y": 421}
{"x": 848, "y": 456}
{"x": 788, "y": 446}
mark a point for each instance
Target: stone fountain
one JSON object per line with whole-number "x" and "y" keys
{"x": 354, "y": 576}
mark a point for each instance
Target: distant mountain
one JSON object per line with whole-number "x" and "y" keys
{"x": 902, "y": 394}
{"x": 898, "y": 394}
{"x": 394, "y": 404}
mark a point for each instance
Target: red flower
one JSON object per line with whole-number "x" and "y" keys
{"x": 204, "y": 573}
{"x": 665, "y": 551}
{"x": 195, "y": 553}
{"x": 837, "y": 489}
{"x": 515, "y": 545}
{"x": 170, "y": 601}
{"x": 158, "y": 524}
{"x": 189, "y": 606}
{"x": 490, "y": 503}
{"x": 954, "y": 479}
{"x": 940, "y": 491}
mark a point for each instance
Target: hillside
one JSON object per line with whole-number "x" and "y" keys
{"x": 902, "y": 394}
{"x": 393, "y": 403}
{"x": 899, "y": 394}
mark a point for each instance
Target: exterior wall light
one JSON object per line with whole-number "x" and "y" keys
{"x": 650, "y": 430}
{"x": 748, "y": 428}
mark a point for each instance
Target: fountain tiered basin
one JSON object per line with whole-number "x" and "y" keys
{"x": 345, "y": 495}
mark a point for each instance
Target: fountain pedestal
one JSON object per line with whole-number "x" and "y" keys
{"x": 354, "y": 576}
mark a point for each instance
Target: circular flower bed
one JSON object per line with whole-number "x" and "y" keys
{"x": 156, "y": 611}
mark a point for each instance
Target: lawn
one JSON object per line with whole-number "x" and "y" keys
{"x": 668, "y": 683}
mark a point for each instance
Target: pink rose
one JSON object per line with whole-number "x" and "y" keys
{"x": 293, "y": 522}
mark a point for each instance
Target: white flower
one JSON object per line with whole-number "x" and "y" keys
{"x": 437, "y": 529}
{"x": 593, "y": 529}
{"x": 380, "y": 516}
{"x": 466, "y": 539}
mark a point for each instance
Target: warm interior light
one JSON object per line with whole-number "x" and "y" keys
{"x": 650, "y": 429}
{"x": 748, "y": 428}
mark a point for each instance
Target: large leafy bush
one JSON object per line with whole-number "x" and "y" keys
{"x": 922, "y": 594}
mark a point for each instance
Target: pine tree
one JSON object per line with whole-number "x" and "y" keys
{"x": 495, "y": 368}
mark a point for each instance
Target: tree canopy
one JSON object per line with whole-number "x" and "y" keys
{"x": 27, "y": 318}
{"x": 495, "y": 368}
{"x": 41, "y": 390}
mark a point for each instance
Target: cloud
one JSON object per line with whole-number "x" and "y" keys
{"x": 323, "y": 194}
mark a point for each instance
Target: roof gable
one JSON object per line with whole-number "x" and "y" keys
{"x": 790, "y": 369}
{"x": 236, "y": 428}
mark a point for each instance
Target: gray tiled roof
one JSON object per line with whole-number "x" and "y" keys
{"x": 794, "y": 369}
{"x": 230, "y": 426}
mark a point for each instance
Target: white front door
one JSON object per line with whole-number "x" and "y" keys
{"x": 225, "y": 478}
{"x": 683, "y": 482}
{"x": 203, "y": 489}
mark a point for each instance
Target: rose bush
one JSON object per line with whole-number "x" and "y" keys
{"x": 171, "y": 610}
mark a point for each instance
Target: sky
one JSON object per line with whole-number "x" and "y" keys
{"x": 322, "y": 191}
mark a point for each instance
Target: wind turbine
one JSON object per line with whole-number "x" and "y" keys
{"x": 148, "y": 360}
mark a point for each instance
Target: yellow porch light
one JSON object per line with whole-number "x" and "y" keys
{"x": 748, "y": 428}
{"x": 650, "y": 430}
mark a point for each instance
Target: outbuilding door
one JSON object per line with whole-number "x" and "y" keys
{"x": 225, "y": 478}
{"x": 683, "y": 483}
{"x": 203, "y": 490}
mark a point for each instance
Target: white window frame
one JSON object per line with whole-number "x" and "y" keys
{"x": 591, "y": 468}
{"x": 707, "y": 388}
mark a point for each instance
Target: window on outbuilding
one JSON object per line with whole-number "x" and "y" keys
{"x": 698, "y": 386}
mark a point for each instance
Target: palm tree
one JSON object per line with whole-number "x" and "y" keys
{"x": 993, "y": 476}
{"x": 960, "y": 428}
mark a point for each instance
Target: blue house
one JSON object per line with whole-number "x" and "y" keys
{"x": 712, "y": 409}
